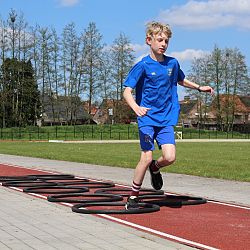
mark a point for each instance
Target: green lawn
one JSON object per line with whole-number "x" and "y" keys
{"x": 225, "y": 160}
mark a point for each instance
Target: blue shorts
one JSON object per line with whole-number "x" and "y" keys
{"x": 162, "y": 135}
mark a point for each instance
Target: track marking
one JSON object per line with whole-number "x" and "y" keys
{"x": 169, "y": 236}
{"x": 228, "y": 204}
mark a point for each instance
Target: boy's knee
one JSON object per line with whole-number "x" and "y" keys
{"x": 169, "y": 159}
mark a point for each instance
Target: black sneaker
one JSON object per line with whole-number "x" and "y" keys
{"x": 156, "y": 178}
{"x": 132, "y": 203}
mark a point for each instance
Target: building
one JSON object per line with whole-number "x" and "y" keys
{"x": 235, "y": 111}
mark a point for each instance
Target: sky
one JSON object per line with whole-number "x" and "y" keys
{"x": 197, "y": 26}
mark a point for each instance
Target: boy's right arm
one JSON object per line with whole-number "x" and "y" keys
{"x": 127, "y": 94}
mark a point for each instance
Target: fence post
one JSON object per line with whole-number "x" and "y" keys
{"x": 83, "y": 135}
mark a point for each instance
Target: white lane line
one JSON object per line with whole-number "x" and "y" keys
{"x": 179, "y": 239}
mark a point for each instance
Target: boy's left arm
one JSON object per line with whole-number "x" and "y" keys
{"x": 192, "y": 85}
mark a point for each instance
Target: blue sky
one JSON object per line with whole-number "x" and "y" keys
{"x": 197, "y": 25}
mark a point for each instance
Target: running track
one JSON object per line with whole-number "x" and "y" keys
{"x": 213, "y": 225}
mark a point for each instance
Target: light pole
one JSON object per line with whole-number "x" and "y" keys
{"x": 14, "y": 84}
{"x": 13, "y": 19}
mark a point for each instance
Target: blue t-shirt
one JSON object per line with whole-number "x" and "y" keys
{"x": 156, "y": 88}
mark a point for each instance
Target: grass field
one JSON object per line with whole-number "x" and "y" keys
{"x": 224, "y": 160}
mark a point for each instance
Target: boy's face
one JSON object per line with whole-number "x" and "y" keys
{"x": 158, "y": 43}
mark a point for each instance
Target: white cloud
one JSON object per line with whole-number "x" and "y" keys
{"x": 140, "y": 48}
{"x": 68, "y": 3}
{"x": 182, "y": 56}
{"x": 189, "y": 54}
{"x": 209, "y": 14}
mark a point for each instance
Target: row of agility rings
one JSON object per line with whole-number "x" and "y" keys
{"x": 107, "y": 198}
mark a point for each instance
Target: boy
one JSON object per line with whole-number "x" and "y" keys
{"x": 155, "y": 79}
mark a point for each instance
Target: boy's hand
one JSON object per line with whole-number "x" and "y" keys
{"x": 207, "y": 89}
{"x": 141, "y": 111}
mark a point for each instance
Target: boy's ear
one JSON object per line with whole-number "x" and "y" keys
{"x": 148, "y": 40}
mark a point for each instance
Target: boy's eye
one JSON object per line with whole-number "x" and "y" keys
{"x": 160, "y": 40}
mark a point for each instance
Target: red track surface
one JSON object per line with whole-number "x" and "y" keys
{"x": 213, "y": 225}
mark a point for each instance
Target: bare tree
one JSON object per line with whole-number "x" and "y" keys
{"x": 239, "y": 79}
{"x": 201, "y": 68}
{"x": 106, "y": 80}
{"x": 122, "y": 60}
{"x": 91, "y": 54}
{"x": 70, "y": 48}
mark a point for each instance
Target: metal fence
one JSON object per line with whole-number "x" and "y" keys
{"x": 93, "y": 133}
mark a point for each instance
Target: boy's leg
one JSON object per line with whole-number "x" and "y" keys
{"x": 147, "y": 146}
{"x": 168, "y": 155}
{"x": 141, "y": 168}
{"x": 166, "y": 141}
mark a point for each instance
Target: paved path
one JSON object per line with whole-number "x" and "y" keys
{"x": 27, "y": 222}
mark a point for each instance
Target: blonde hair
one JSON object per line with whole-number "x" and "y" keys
{"x": 154, "y": 28}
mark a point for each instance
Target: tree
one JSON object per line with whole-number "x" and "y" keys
{"x": 70, "y": 48}
{"x": 122, "y": 60}
{"x": 91, "y": 57}
{"x": 201, "y": 68}
{"x": 227, "y": 71}
{"x": 25, "y": 110}
{"x": 30, "y": 107}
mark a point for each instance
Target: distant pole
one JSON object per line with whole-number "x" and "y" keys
{"x": 13, "y": 19}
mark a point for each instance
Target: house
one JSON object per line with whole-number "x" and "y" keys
{"x": 236, "y": 109}
{"x": 188, "y": 112}
{"x": 194, "y": 113}
{"x": 61, "y": 110}
{"x": 93, "y": 108}
{"x": 114, "y": 111}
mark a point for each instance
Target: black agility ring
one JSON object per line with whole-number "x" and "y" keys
{"x": 144, "y": 208}
{"x": 28, "y": 183}
{"x": 53, "y": 176}
{"x": 66, "y": 182}
{"x": 66, "y": 198}
{"x": 172, "y": 200}
{"x": 58, "y": 190}
{"x": 16, "y": 178}
{"x": 88, "y": 184}
{"x": 128, "y": 190}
